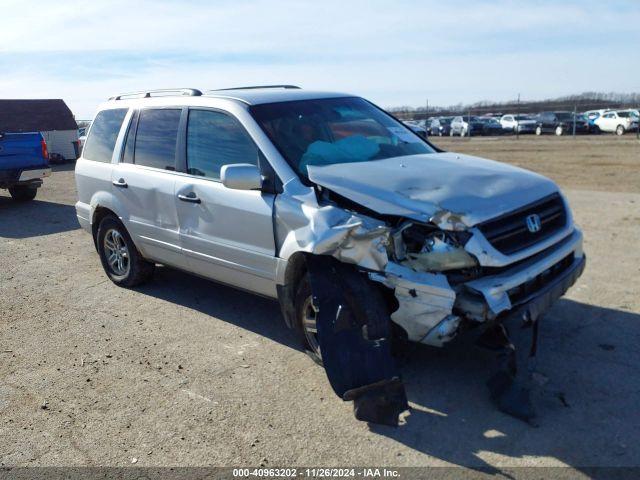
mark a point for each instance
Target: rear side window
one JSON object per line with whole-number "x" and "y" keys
{"x": 103, "y": 134}
{"x": 156, "y": 138}
{"x": 215, "y": 139}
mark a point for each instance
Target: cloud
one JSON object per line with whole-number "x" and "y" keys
{"x": 395, "y": 53}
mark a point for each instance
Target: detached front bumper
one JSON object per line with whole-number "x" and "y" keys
{"x": 536, "y": 282}
{"x": 431, "y": 309}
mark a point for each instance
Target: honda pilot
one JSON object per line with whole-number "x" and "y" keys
{"x": 368, "y": 235}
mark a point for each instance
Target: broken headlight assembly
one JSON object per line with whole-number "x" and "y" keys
{"x": 424, "y": 249}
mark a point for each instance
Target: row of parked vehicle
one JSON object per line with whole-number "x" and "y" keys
{"x": 558, "y": 123}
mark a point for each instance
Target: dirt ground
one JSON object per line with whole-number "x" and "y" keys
{"x": 183, "y": 371}
{"x": 605, "y": 163}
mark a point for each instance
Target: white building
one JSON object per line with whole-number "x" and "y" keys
{"x": 52, "y": 118}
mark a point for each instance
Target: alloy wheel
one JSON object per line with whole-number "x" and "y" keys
{"x": 309, "y": 325}
{"x": 116, "y": 252}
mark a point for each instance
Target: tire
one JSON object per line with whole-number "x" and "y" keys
{"x": 130, "y": 268}
{"x": 559, "y": 131}
{"x": 620, "y": 130}
{"x": 451, "y": 132}
{"x": 538, "y": 130}
{"x": 363, "y": 301}
{"x": 463, "y": 133}
{"x": 23, "y": 193}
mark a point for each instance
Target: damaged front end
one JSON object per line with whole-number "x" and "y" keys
{"x": 429, "y": 276}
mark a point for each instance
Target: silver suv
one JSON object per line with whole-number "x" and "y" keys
{"x": 367, "y": 234}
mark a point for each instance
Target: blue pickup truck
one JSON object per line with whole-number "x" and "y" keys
{"x": 24, "y": 162}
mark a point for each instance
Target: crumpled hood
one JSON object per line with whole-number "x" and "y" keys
{"x": 451, "y": 190}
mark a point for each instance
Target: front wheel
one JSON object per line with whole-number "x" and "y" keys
{"x": 306, "y": 319}
{"x": 620, "y": 130}
{"x": 121, "y": 260}
{"x": 538, "y": 130}
{"x": 559, "y": 131}
{"x": 23, "y": 193}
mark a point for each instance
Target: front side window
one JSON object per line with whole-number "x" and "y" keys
{"x": 103, "y": 135}
{"x": 216, "y": 139}
{"x": 335, "y": 130}
{"x": 156, "y": 138}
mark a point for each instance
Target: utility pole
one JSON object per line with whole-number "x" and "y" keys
{"x": 426, "y": 115}
{"x": 517, "y": 118}
{"x": 575, "y": 112}
{"x": 469, "y": 123}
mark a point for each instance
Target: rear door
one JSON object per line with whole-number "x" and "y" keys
{"x": 143, "y": 182}
{"x": 226, "y": 234}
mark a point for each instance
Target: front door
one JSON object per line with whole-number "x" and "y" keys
{"x": 226, "y": 234}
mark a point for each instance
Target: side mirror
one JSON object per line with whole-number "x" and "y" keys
{"x": 241, "y": 176}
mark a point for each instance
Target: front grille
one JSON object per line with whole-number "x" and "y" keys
{"x": 509, "y": 233}
{"x": 522, "y": 292}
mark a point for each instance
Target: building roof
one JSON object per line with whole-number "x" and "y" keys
{"x": 256, "y": 96}
{"x": 35, "y": 116}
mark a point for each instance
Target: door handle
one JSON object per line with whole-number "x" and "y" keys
{"x": 120, "y": 183}
{"x": 191, "y": 198}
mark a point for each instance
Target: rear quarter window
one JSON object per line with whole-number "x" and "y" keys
{"x": 103, "y": 134}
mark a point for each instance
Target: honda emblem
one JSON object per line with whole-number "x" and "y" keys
{"x": 533, "y": 223}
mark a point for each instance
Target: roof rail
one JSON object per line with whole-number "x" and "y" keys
{"x": 191, "y": 92}
{"x": 255, "y": 87}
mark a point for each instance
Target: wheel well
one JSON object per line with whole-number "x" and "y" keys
{"x": 98, "y": 214}
{"x": 296, "y": 269}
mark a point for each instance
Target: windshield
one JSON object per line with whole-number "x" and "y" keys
{"x": 335, "y": 130}
{"x": 564, "y": 116}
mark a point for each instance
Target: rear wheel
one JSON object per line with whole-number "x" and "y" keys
{"x": 620, "y": 130}
{"x": 559, "y": 131}
{"x": 121, "y": 260}
{"x": 23, "y": 193}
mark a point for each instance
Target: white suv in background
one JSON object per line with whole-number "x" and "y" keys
{"x": 365, "y": 232}
{"x": 519, "y": 123}
{"x": 618, "y": 121}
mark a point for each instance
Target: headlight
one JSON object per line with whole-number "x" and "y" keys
{"x": 441, "y": 251}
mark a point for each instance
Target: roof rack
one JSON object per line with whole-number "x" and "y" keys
{"x": 190, "y": 92}
{"x": 255, "y": 87}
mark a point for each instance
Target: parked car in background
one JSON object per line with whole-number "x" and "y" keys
{"x": 416, "y": 128}
{"x": 519, "y": 123}
{"x": 617, "y": 121}
{"x": 490, "y": 126}
{"x": 82, "y": 137}
{"x": 592, "y": 116}
{"x": 560, "y": 123}
{"x": 24, "y": 162}
{"x": 440, "y": 126}
{"x": 466, "y": 125}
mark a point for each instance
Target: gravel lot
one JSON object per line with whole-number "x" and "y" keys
{"x": 187, "y": 372}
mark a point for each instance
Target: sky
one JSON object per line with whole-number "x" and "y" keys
{"x": 395, "y": 53}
